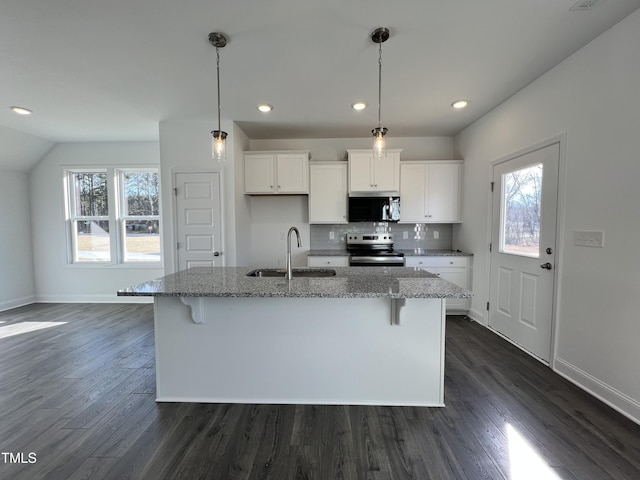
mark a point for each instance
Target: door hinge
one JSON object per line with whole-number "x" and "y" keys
{"x": 175, "y": 191}
{"x": 492, "y": 186}
{"x": 177, "y": 245}
{"x": 487, "y": 306}
{"x": 490, "y": 246}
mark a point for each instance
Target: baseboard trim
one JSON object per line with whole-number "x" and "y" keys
{"x": 617, "y": 400}
{"x": 477, "y": 316}
{"x": 91, "y": 298}
{"x": 18, "y": 302}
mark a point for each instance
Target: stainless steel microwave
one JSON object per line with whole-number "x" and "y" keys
{"x": 374, "y": 209}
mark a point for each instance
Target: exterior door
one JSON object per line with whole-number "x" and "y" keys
{"x": 199, "y": 220}
{"x": 523, "y": 249}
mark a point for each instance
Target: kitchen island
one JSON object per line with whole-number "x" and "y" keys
{"x": 370, "y": 335}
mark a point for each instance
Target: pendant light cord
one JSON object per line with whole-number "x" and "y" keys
{"x": 379, "y": 82}
{"x": 218, "y": 69}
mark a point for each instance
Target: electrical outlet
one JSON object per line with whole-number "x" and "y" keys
{"x": 589, "y": 238}
{"x": 436, "y": 235}
{"x": 332, "y": 235}
{"x": 405, "y": 235}
{"x": 283, "y": 236}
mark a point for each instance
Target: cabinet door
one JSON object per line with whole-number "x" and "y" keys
{"x": 328, "y": 261}
{"x": 443, "y": 192}
{"x": 413, "y": 199}
{"x": 457, "y": 273}
{"x": 328, "y": 193}
{"x": 259, "y": 173}
{"x": 360, "y": 175}
{"x": 457, "y": 276}
{"x": 292, "y": 173}
{"x": 386, "y": 172}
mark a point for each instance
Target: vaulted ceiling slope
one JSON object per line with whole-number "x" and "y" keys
{"x": 93, "y": 70}
{"x": 19, "y": 151}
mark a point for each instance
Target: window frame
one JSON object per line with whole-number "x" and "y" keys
{"x": 123, "y": 217}
{"x": 116, "y": 205}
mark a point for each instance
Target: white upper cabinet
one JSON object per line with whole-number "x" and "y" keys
{"x": 368, "y": 173}
{"x": 276, "y": 172}
{"x": 430, "y": 192}
{"x": 328, "y": 192}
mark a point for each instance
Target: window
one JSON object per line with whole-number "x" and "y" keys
{"x": 522, "y": 200}
{"x": 114, "y": 216}
{"x": 140, "y": 216}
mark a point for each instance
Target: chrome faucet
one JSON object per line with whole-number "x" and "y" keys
{"x": 289, "y": 269}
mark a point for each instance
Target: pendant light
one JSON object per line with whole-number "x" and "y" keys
{"x": 219, "y": 145}
{"x": 379, "y": 36}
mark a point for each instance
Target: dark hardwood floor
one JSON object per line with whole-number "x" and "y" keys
{"x": 77, "y": 402}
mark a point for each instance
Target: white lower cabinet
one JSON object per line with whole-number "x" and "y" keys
{"x": 454, "y": 269}
{"x": 328, "y": 261}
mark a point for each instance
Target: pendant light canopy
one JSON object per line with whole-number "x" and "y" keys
{"x": 219, "y": 145}
{"x": 379, "y": 36}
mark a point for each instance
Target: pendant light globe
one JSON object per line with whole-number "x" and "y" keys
{"x": 219, "y": 140}
{"x": 379, "y": 36}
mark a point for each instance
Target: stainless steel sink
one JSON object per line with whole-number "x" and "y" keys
{"x": 297, "y": 272}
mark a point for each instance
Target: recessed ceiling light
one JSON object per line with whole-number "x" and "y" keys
{"x": 359, "y": 106}
{"x": 265, "y": 108}
{"x": 20, "y": 110}
{"x": 460, "y": 104}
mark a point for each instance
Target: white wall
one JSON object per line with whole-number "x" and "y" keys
{"x": 56, "y": 280}
{"x": 185, "y": 145}
{"x": 17, "y": 283}
{"x": 332, "y": 149}
{"x": 593, "y": 98}
{"x": 271, "y": 218}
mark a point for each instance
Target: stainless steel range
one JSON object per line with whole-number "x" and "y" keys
{"x": 373, "y": 250}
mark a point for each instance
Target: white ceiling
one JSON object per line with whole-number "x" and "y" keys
{"x": 96, "y": 70}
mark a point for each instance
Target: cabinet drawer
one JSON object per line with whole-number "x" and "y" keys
{"x": 439, "y": 261}
{"x": 328, "y": 261}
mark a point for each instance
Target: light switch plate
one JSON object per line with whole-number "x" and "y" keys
{"x": 589, "y": 238}
{"x": 436, "y": 235}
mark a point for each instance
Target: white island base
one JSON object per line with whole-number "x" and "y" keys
{"x": 358, "y": 351}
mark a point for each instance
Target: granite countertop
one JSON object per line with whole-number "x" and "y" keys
{"x": 407, "y": 252}
{"x": 349, "y": 282}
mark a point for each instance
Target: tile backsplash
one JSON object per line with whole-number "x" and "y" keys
{"x": 418, "y": 235}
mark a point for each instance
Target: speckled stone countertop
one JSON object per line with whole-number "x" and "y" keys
{"x": 407, "y": 252}
{"x": 349, "y": 282}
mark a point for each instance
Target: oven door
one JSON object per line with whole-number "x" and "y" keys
{"x": 376, "y": 261}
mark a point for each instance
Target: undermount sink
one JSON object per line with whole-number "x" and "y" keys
{"x": 297, "y": 272}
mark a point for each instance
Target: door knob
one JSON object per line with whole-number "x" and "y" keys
{"x": 546, "y": 266}
{"x": 216, "y": 254}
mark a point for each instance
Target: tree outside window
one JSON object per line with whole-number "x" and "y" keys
{"x": 522, "y": 207}
{"x": 141, "y": 216}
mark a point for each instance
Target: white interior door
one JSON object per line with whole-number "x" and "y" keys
{"x": 523, "y": 239}
{"x": 198, "y": 220}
